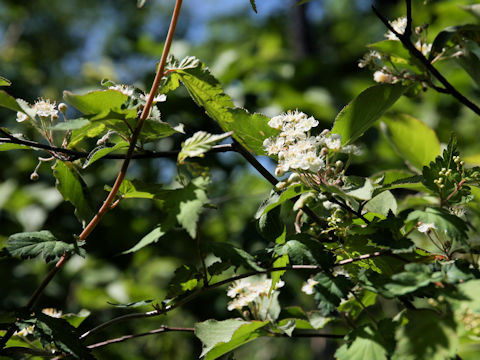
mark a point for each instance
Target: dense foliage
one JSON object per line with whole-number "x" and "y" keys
{"x": 351, "y": 234}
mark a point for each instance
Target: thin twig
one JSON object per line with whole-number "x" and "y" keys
{"x": 74, "y": 155}
{"x": 162, "y": 329}
{"x": 407, "y": 43}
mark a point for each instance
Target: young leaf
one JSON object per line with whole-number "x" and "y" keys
{"x": 186, "y": 278}
{"x": 28, "y": 245}
{"x": 101, "y": 151}
{"x": 361, "y": 113}
{"x": 220, "y": 337}
{"x": 413, "y": 140}
{"x": 198, "y": 144}
{"x": 62, "y": 334}
{"x": 73, "y": 188}
{"x": 151, "y": 238}
{"x": 6, "y": 82}
{"x": 330, "y": 290}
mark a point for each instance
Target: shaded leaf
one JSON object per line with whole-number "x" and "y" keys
{"x": 254, "y": 6}
{"x": 220, "y": 337}
{"x": 135, "y": 304}
{"x": 305, "y": 251}
{"x": 363, "y": 343}
{"x": 233, "y": 255}
{"x": 186, "y": 278}
{"x": 382, "y": 204}
{"x": 73, "y": 188}
{"x": 8, "y": 101}
{"x": 43, "y": 243}
{"x": 277, "y": 199}
{"x": 74, "y": 124}
{"x": 361, "y": 113}
{"x": 330, "y": 290}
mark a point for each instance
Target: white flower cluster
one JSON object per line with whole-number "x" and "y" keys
{"x": 245, "y": 292}
{"x": 399, "y": 25}
{"x": 296, "y": 149}
{"x": 309, "y": 286}
{"x": 43, "y": 108}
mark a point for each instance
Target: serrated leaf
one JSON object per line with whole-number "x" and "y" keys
{"x": 186, "y": 278}
{"x": 73, "y": 189}
{"x": 444, "y": 222}
{"x": 233, "y": 255}
{"x": 151, "y": 238}
{"x": 96, "y": 102}
{"x": 412, "y": 139}
{"x": 198, "y": 144}
{"x": 4, "y": 81}
{"x": 305, "y": 251}
{"x": 249, "y": 129}
{"x": 426, "y": 336}
{"x": 64, "y": 335}
{"x": 43, "y": 243}
{"x": 101, "y": 151}
{"x": 361, "y": 113}
{"x": 330, "y": 290}
{"x": 220, "y": 337}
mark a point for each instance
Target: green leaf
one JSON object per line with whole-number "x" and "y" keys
{"x": 426, "y": 336}
{"x": 132, "y": 305}
{"x": 152, "y": 130}
{"x": 392, "y": 48}
{"x": 412, "y": 139}
{"x": 220, "y": 337}
{"x": 96, "y": 102}
{"x": 101, "y": 151}
{"x": 249, "y": 129}
{"x": 358, "y": 187}
{"x": 414, "y": 277}
{"x": 361, "y": 113}
{"x": 199, "y": 144}
{"x": 277, "y": 199}
{"x": 76, "y": 319}
{"x": 363, "y": 343}
{"x": 74, "y": 124}
{"x": 282, "y": 261}
{"x": 454, "y": 33}
{"x": 9, "y": 102}
{"x": 6, "y": 82}
{"x": 8, "y": 147}
{"x": 29, "y": 245}
{"x": 73, "y": 188}
{"x": 382, "y": 204}
{"x": 233, "y": 255}
{"x": 317, "y": 320}
{"x": 151, "y": 238}
{"x": 186, "y": 278}
{"x": 444, "y": 222}
{"x": 305, "y": 251}
{"x": 270, "y": 225}
{"x": 470, "y": 63}
{"x": 88, "y": 131}
{"x": 254, "y": 6}
{"x": 62, "y": 334}
{"x": 330, "y": 290}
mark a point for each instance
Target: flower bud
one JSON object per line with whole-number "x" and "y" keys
{"x": 279, "y": 171}
{"x": 63, "y": 108}
{"x": 34, "y": 176}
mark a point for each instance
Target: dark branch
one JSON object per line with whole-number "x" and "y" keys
{"x": 407, "y": 43}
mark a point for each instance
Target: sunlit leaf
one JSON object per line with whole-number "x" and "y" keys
{"x": 4, "y": 82}
{"x": 151, "y": 238}
{"x": 198, "y": 144}
{"x": 101, "y": 151}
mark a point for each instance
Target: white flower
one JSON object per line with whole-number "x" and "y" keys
{"x": 124, "y": 89}
{"x": 21, "y": 116}
{"x": 237, "y": 287}
{"x": 309, "y": 286}
{"x": 425, "y": 228}
{"x": 424, "y": 48}
{"x": 351, "y": 149}
{"x": 373, "y": 57}
{"x": 383, "y": 77}
{"x": 45, "y": 109}
{"x": 52, "y": 312}
{"x": 399, "y": 25}
{"x": 333, "y": 142}
{"x": 276, "y": 122}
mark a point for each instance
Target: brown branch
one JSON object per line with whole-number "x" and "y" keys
{"x": 121, "y": 175}
{"x": 407, "y": 43}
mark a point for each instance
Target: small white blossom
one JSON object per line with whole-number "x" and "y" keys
{"x": 158, "y": 98}
{"x": 21, "y": 116}
{"x": 52, "y": 312}
{"x": 238, "y": 287}
{"x": 45, "y": 109}
{"x": 423, "y": 47}
{"x": 308, "y": 287}
{"x": 425, "y": 228}
{"x": 383, "y": 77}
{"x": 373, "y": 58}
{"x": 399, "y": 25}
